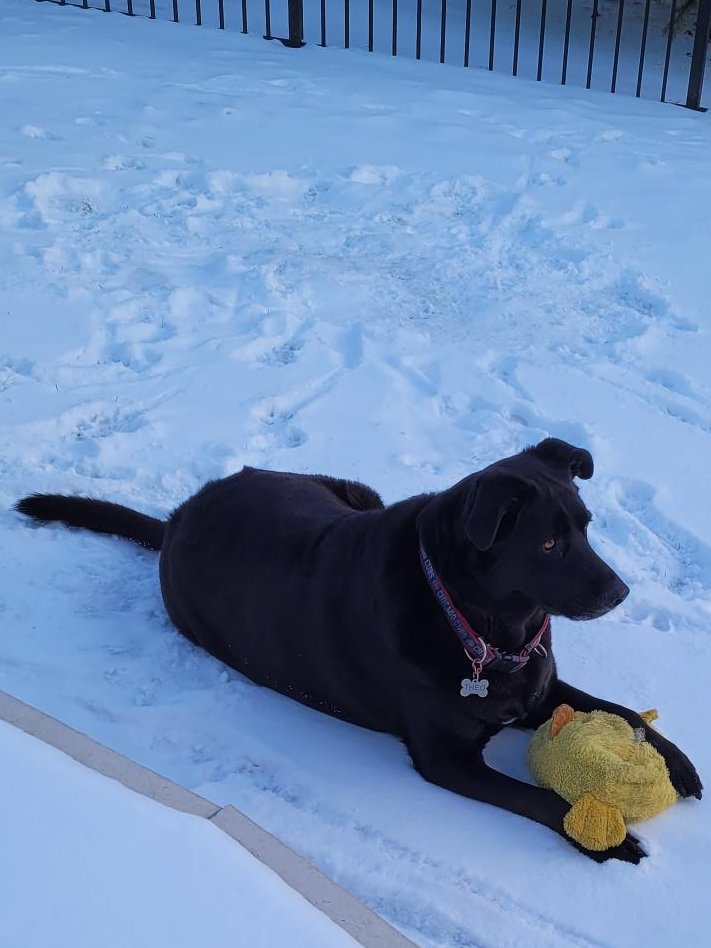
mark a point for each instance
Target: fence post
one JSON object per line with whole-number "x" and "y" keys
{"x": 698, "y": 56}
{"x": 295, "y": 38}
{"x": 296, "y": 24}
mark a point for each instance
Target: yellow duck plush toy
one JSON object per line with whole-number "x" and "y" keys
{"x": 604, "y": 768}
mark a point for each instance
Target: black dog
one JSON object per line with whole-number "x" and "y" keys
{"x": 309, "y": 585}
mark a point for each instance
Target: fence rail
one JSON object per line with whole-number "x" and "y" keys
{"x": 645, "y": 48}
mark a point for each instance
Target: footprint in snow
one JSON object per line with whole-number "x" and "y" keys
{"x": 284, "y": 354}
{"x": 681, "y": 561}
{"x": 673, "y": 382}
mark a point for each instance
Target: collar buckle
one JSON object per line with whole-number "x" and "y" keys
{"x": 506, "y": 662}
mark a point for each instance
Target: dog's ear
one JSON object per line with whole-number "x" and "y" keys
{"x": 577, "y": 461}
{"x": 494, "y": 497}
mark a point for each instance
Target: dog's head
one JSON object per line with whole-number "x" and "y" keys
{"x": 524, "y": 531}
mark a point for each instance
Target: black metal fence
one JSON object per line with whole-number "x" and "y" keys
{"x": 647, "y": 48}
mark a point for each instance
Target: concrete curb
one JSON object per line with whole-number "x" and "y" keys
{"x": 340, "y": 906}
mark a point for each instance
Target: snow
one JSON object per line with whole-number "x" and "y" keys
{"x": 105, "y": 866}
{"x": 221, "y": 252}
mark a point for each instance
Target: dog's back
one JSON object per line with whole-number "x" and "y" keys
{"x": 272, "y": 573}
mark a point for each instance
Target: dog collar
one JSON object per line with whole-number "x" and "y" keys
{"x": 479, "y": 652}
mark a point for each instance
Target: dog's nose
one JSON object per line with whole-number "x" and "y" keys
{"x": 618, "y": 593}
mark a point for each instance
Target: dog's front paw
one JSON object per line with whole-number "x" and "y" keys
{"x": 682, "y": 772}
{"x": 629, "y": 850}
{"x": 683, "y": 775}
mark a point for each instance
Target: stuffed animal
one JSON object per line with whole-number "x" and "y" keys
{"x": 604, "y": 768}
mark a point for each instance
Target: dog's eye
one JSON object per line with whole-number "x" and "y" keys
{"x": 549, "y": 545}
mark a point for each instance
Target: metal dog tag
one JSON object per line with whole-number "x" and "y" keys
{"x": 475, "y": 686}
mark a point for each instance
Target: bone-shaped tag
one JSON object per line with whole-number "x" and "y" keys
{"x": 476, "y": 686}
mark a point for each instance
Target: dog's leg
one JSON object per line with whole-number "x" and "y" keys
{"x": 463, "y": 770}
{"x": 681, "y": 771}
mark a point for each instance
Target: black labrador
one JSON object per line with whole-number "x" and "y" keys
{"x": 428, "y": 618}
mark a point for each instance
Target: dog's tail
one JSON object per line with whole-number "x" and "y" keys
{"x": 97, "y": 515}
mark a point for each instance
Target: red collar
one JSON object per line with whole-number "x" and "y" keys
{"x": 479, "y": 652}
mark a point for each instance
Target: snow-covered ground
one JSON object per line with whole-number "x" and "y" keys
{"x": 217, "y": 253}
{"x": 91, "y": 863}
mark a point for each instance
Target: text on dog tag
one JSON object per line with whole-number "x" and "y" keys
{"x": 475, "y": 686}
